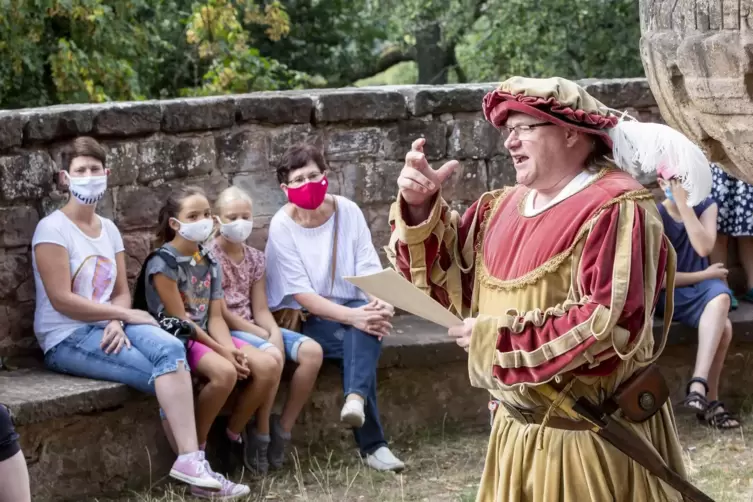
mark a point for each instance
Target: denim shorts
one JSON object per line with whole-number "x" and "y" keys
{"x": 290, "y": 339}
{"x": 153, "y": 353}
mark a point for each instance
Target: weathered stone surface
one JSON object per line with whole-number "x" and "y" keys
{"x": 360, "y": 105}
{"x": 139, "y": 206}
{"x": 17, "y": 225}
{"x": 351, "y": 179}
{"x": 501, "y": 171}
{"x": 379, "y": 182}
{"x": 58, "y": 122}
{"x": 697, "y": 57}
{"x": 11, "y": 129}
{"x": 467, "y": 182}
{"x": 379, "y": 226}
{"x": 473, "y": 137}
{"x": 170, "y": 157}
{"x": 423, "y": 100}
{"x": 398, "y": 139}
{"x": 264, "y": 190}
{"x": 274, "y": 108}
{"x": 245, "y": 150}
{"x": 106, "y": 206}
{"x": 123, "y": 161}
{"x": 15, "y": 268}
{"x": 137, "y": 247}
{"x": 197, "y": 114}
{"x": 26, "y": 176}
{"x": 128, "y": 119}
{"x": 280, "y": 139}
{"x": 16, "y": 333}
{"x": 353, "y": 143}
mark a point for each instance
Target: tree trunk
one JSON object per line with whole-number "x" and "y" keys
{"x": 430, "y": 55}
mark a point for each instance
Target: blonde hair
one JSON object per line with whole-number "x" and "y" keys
{"x": 229, "y": 195}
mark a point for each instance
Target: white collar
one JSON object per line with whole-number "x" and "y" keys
{"x": 576, "y": 185}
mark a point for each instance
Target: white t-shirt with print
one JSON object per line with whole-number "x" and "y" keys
{"x": 93, "y": 272}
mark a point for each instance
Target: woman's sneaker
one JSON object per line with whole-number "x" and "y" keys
{"x": 383, "y": 460}
{"x": 352, "y": 413}
{"x": 228, "y": 489}
{"x": 192, "y": 468}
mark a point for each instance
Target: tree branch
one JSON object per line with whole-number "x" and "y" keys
{"x": 386, "y": 60}
{"x": 478, "y": 7}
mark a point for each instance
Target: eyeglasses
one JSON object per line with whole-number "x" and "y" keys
{"x": 300, "y": 180}
{"x": 522, "y": 130}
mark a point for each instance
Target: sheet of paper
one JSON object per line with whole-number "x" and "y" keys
{"x": 391, "y": 287}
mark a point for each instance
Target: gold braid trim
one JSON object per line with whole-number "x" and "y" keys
{"x": 556, "y": 261}
{"x": 497, "y": 197}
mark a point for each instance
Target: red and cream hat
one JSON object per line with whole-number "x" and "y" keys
{"x": 635, "y": 146}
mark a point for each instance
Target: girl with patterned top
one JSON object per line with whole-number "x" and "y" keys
{"x": 191, "y": 289}
{"x": 248, "y": 314}
{"x": 734, "y": 224}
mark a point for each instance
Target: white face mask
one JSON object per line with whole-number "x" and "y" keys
{"x": 237, "y": 231}
{"x": 87, "y": 190}
{"x": 197, "y": 231}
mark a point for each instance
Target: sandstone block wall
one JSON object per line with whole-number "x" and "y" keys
{"x": 155, "y": 146}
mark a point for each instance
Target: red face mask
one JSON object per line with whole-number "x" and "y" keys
{"x": 309, "y": 195}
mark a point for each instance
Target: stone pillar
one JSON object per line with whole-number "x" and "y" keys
{"x": 697, "y": 55}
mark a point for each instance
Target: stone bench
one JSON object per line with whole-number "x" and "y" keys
{"x": 84, "y": 437}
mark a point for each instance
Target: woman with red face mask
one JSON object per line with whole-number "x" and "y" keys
{"x": 315, "y": 240}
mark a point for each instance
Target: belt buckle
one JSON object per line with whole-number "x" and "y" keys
{"x": 517, "y": 414}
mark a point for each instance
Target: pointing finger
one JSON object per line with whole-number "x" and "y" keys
{"x": 418, "y": 145}
{"x": 447, "y": 169}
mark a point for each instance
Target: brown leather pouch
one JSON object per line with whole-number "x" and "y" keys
{"x": 642, "y": 395}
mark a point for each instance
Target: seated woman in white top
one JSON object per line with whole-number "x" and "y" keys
{"x": 84, "y": 321}
{"x": 347, "y": 324}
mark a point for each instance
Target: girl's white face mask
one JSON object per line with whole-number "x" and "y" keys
{"x": 87, "y": 190}
{"x": 236, "y": 231}
{"x": 196, "y": 231}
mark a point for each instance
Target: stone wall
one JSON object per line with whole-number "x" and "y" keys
{"x": 155, "y": 146}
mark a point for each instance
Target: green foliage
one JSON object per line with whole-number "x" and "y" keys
{"x": 216, "y": 29}
{"x": 71, "y": 51}
{"x": 68, "y": 51}
{"x": 339, "y": 41}
{"x": 568, "y": 38}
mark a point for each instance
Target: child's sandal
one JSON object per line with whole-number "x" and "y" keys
{"x": 721, "y": 420}
{"x": 693, "y": 400}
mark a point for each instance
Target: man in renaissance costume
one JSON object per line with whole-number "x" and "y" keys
{"x": 556, "y": 280}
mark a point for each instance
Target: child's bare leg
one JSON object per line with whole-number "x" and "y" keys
{"x": 222, "y": 377}
{"x": 302, "y": 382}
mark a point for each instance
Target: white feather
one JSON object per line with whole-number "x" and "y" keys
{"x": 643, "y": 146}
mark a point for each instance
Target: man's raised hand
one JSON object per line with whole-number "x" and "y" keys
{"x": 418, "y": 182}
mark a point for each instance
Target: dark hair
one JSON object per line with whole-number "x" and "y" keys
{"x": 296, "y": 157}
{"x": 83, "y": 146}
{"x": 170, "y": 209}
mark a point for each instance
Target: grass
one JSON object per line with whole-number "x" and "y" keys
{"x": 447, "y": 467}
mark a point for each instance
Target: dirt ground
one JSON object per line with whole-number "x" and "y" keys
{"x": 447, "y": 467}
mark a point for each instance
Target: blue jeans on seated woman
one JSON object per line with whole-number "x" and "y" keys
{"x": 153, "y": 353}
{"x": 359, "y": 354}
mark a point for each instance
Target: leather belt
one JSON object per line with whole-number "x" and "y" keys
{"x": 527, "y": 417}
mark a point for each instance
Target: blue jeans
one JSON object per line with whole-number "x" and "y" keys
{"x": 153, "y": 353}
{"x": 290, "y": 339}
{"x": 359, "y": 353}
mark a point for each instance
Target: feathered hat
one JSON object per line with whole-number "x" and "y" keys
{"x": 633, "y": 146}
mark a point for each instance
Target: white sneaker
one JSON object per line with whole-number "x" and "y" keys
{"x": 352, "y": 413}
{"x": 384, "y": 460}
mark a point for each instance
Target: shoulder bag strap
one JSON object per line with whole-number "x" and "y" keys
{"x": 334, "y": 246}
